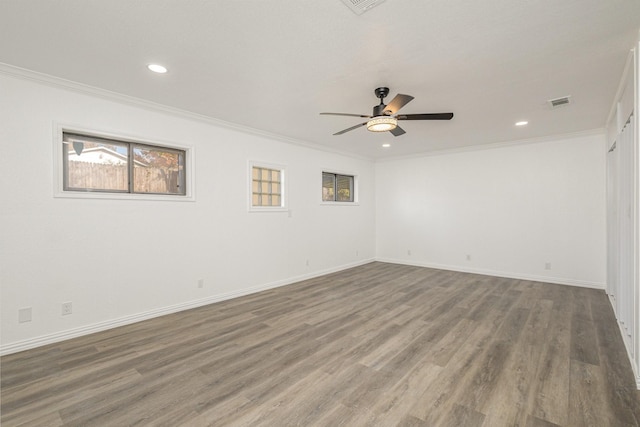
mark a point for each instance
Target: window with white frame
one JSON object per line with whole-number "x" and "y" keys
{"x": 267, "y": 187}
{"x": 338, "y": 187}
{"x": 100, "y": 164}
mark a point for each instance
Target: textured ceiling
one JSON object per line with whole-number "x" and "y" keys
{"x": 273, "y": 65}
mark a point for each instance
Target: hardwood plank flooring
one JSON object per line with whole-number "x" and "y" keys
{"x": 376, "y": 345}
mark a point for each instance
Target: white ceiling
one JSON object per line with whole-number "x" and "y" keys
{"x": 273, "y": 65}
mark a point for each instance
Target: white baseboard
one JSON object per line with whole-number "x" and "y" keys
{"x": 138, "y": 317}
{"x": 488, "y": 272}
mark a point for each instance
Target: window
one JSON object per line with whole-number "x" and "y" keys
{"x": 267, "y": 187}
{"x": 104, "y": 165}
{"x": 337, "y": 187}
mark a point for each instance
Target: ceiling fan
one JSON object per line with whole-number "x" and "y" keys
{"x": 385, "y": 117}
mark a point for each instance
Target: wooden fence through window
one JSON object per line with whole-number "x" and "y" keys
{"x": 99, "y": 176}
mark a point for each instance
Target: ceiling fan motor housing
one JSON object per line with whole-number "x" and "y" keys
{"x": 381, "y": 93}
{"x": 378, "y": 110}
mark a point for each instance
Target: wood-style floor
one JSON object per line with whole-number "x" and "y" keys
{"x": 376, "y": 345}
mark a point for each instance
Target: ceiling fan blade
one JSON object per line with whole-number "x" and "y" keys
{"x": 350, "y": 129}
{"x": 397, "y": 103}
{"x": 345, "y": 114}
{"x": 426, "y": 116}
{"x": 397, "y": 131}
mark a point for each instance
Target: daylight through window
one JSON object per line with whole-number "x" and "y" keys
{"x": 105, "y": 165}
{"x": 266, "y": 187}
{"x": 337, "y": 187}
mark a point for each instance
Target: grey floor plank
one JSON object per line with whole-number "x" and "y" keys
{"x": 376, "y": 345}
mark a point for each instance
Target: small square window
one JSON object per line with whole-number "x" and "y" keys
{"x": 338, "y": 187}
{"x": 267, "y": 187}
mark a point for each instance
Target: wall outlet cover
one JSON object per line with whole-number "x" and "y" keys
{"x": 67, "y": 308}
{"x": 24, "y": 315}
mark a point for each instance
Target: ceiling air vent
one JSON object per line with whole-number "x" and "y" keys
{"x": 361, "y": 6}
{"x": 559, "y": 102}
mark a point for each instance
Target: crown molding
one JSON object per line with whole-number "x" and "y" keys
{"x": 60, "y": 83}
{"x": 628, "y": 68}
{"x": 497, "y": 145}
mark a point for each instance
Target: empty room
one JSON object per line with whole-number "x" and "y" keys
{"x": 334, "y": 213}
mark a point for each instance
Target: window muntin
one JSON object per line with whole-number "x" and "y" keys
{"x": 337, "y": 187}
{"x": 267, "y": 187}
{"x": 96, "y": 164}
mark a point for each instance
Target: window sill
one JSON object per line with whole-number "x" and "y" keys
{"x": 122, "y": 196}
{"x": 339, "y": 204}
{"x": 267, "y": 209}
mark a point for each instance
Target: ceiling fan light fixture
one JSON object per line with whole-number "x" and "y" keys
{"x": 382, "y": 124}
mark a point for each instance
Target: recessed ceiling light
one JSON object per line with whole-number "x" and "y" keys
{"x": 156, "y": 68}
{"x": 522, "y": 123}
{"x": 386, "y": 145}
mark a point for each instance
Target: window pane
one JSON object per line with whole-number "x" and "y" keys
{"x": 266, "y": 186}
{"x": 328, "y": 185}
{"x": 158, "y": 171}
{"x": 95, "y": 164}
{"x": 344, "y": 185}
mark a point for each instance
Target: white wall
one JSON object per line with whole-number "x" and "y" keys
{"x": 124, "y": 260}
{"x": 512, "y": 209}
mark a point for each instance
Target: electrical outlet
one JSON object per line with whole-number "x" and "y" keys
{"x": 357, "y": 252}
{"x": 201, "y": 283}
{"x": 307, "y": 263}
{"x": 66, "y": 308}
{"x": 468, "y": 257}
{"x": 24, "y": 315}
{"x": 408, "y": 251}
{"x": 547, "y": 266}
